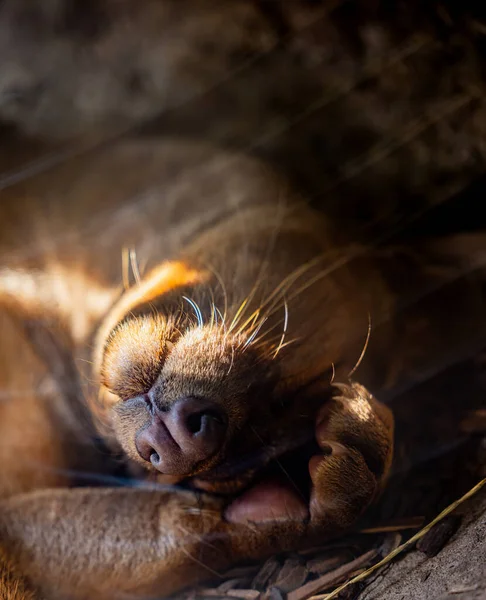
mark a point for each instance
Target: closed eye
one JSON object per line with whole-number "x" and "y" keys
{"x": 134, "y": 356}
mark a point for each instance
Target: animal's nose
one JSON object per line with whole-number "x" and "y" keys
{"x": 175, "y": 441}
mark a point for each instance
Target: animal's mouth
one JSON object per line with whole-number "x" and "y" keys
{"x": 273, "y": 484}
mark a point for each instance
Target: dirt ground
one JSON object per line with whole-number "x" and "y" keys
{"x": 458, "y": 572}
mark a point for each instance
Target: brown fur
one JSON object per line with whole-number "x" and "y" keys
{"x": 232, "y": 249}
{"x": 215, "y": 228}
{"x": 226, "y": 233}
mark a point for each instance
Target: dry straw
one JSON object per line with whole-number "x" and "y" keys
{"x": 420, "y": 534}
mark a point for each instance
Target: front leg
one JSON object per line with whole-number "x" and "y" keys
{"x": 107, "y": 543}
{"x": 100, "y": 544}
{"x": 355, "y": 434}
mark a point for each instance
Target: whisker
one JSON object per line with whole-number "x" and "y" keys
{"x": 197, "y": 311}
{"x": 282, "y": 287}
{"x": 271, "y": 346}
{"x": 287, "y": 474}
{"x": 125, "y": 275}
{"x": 223, "y": 289}
{"x": 133, "y": 263}
{"x": 252, "y": 319}
{"x": 365, "y": 347}
{"x": 248, "y": 299}
{"x": 338, "y": 263}
{"x": 239, "y": 312}
{"x": 289, "y": 342}
{"x": 269, "y": 330}
{"x": 232, "y": 360}
{"x": 254, "y": 334}
{"x": 263, "y": 267}
{"x": 289, "y": 280}
{"x": 200, "y": 563}
{"x": 333, "y": 267}
{"x": 198, "y": 537}
{"x": 263, "y": 341}
{"x": 282, "y": 468}
{"x": 214, "y": 317}
{"x": 223, "y": 322}
{"x": 285, "y": 325}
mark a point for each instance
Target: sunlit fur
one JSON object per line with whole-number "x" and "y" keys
{"x": 240, "y": 294}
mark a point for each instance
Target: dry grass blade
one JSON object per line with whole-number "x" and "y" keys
{"x": 400, "y": 525}
{"x": 332, "y": 578}
{"x": 400, "y": 549}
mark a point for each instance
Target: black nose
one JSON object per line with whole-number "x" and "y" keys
{"x": 175, "y": 441}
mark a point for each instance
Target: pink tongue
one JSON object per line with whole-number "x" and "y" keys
{"x": 268, "y": 501}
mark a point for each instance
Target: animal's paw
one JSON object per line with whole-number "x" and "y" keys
{"x": 355, "y": 435}
{"x": 347, "y": 466}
